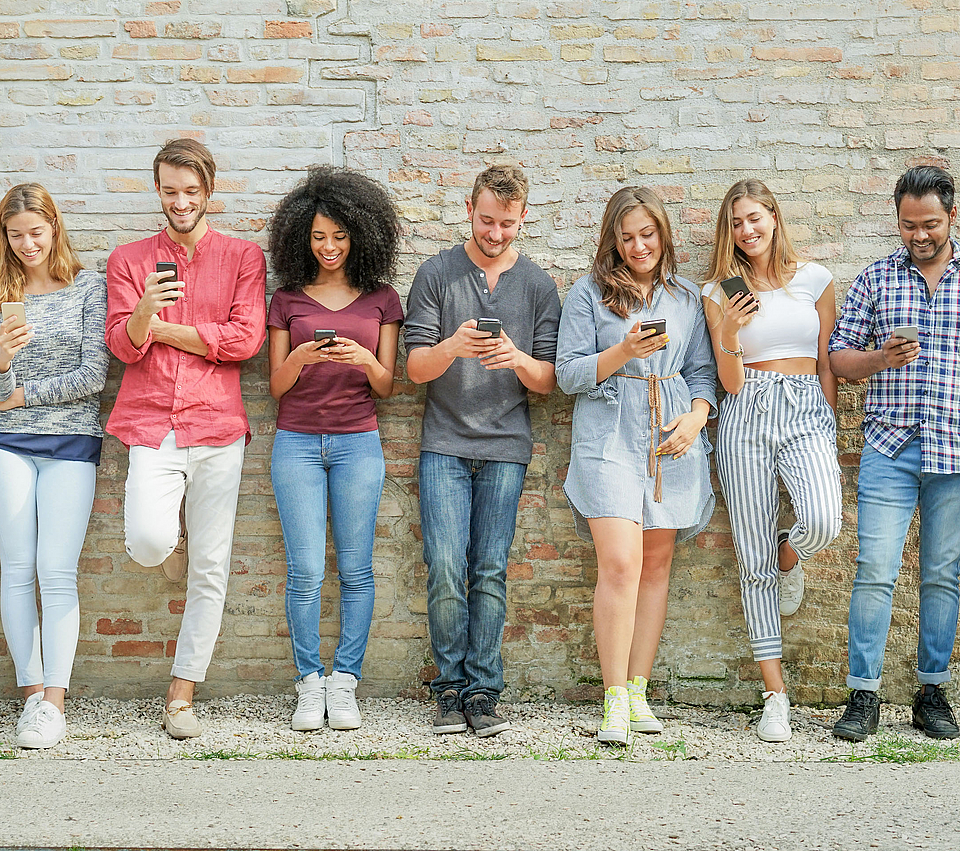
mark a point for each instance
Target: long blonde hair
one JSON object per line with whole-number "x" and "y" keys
{"x": 727, "y": 260}
{"x": 619, "y": 291}
{"x": 62, "y": 264}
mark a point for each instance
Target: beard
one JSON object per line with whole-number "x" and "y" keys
{"x": 188, "y": 225}
{"x": 488, "y": 250}
{"x": 930, "y": 251}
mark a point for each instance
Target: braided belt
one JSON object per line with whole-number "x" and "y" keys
{"x": 654, "y": 467}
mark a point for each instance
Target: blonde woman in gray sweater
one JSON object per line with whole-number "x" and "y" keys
{"x": 53, "y": 366}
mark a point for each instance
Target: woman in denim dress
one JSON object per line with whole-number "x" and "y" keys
{"x": 638, "y": 480}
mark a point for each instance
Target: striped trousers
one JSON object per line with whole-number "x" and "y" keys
{"x": 777, "y": 425}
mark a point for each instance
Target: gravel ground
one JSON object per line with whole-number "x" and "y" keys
{"x": 252, "y": 725}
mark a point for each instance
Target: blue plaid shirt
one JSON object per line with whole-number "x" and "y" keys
{"x": 923, "y": 396}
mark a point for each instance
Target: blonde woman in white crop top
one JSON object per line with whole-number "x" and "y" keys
{"x": 777, "y": 420}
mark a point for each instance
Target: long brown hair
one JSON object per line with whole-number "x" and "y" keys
{"x": 62, "y": 264}
{"x": 727, "y": 260}
{"x": 619, "y": 291}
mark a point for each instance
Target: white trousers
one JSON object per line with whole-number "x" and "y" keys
{"x": 157, "y": 482}
{"x": 44, "y": 509}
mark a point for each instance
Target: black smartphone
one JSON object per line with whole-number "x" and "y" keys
{"x": 494, "y": 326}
{"x": 736, "y": 285}
{"x": 658, "y": 325}
{"x": 169, "y": 267}
{"x": 326, "y": 336}
{"x": 907, "y": 332}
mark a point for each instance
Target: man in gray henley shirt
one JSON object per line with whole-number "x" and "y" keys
{"x": 476, "y": 440}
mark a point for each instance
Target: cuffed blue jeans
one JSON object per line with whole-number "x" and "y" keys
{"x": 308, "y": 472}
{"x": 888, "y": 494}
{"x": 468, "y": 512}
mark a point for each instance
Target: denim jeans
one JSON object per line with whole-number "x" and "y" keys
{"x": 468, "y": 512}
{"x": 889, "y": 491}
{"x": 308, "y": 471}
{"x": 44, "y": 509}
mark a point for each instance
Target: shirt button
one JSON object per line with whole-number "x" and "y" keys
{"x": 485, "y": 290}
{"x": 173, "y": 416}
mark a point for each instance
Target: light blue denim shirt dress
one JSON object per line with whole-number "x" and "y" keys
{"x": 609, "y": 473}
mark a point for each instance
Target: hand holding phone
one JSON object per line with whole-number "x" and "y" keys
{"x": 659, "y": 327}
{"x": 14, "y": 308}
{"x": 911, "y": 333}
{"x": 325, "y": 336}
{"x": 15, "y": 335}
{"x": 492, "y": 326}
{"x": 735, "y": 286}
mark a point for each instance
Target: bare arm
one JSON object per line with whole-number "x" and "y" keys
{"x": 536, "y": 375}
{"x": 183, "y": 337}
{"x": 725, "y": 328}
{"x": 827, "y": 311}
{"x": 425, "y": 363}
{"x": 854, "y": 365}
{"x": 379, "y": 368}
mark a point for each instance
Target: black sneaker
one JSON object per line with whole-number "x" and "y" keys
{"x": 861, "y": 716}
{"x": 481, "y": 712}
{"x": 933, "y": 715}
{"x": 449, "y": 717}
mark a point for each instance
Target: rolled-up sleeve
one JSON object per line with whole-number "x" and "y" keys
{"x": 856, "y": 327}
{"x": 90, "y": 376}
{"x": 577, "y": 342}
{"x": 422, "y": 325}
{"x": 699, "y": 369}
{"x": 242, "y": 335}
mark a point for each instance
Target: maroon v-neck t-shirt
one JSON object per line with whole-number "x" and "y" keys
{"x": 332, "y": 398}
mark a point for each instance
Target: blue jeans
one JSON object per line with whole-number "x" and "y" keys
{"x": 468, "y": 514}
{"x": 306, "y": 470}
{"x": 888, "y": 494}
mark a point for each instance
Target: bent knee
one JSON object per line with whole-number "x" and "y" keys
{"x": 149, "y": 548}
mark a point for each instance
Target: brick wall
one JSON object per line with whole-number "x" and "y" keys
{"x": 827, "y": 102}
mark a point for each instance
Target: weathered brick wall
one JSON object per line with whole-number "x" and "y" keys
{"x": 827, "y": 102}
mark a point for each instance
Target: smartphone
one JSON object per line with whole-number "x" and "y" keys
{"x": 735, "y": 285}
{"x": 908, "y": 332}
{"x": 15, "y": 308}
{"x": 494, "y": 326}
{"x": 658, "y": 325}
{"x": 326, "y": 337}
{"x": 169, "y": 267}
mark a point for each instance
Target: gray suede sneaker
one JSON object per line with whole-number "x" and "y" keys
{"x": 449, "y": 717}
{"x": 481, "y": 712}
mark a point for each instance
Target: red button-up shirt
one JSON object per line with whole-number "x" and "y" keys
{"x": 163, "y": 387}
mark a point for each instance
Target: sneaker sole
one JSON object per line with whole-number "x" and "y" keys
{"x": 41, "y": 745}
{"x": 613, "y": 737}
{"x": 766, "y": 737}
{"x": 492, "y": 731}
{"x": 343, "y": 725}
{"x": 646, "y": 726}
{"x": 919, "y": 726}
{"x": 850, "y": 736}
{"x": 306, "y": 726}
{"x": 450, "y": 728}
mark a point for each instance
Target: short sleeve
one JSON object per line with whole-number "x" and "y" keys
{"x": 392, "y": 309}
{"x": 712, "y": 291}
{"x": 279, "y": 317}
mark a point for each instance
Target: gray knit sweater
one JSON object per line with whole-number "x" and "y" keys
{"x": 63, "y": 368}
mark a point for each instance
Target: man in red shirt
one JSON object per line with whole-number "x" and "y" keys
{"x": 183, "y": 336}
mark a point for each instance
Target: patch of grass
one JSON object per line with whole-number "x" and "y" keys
{"x": 671, "y": 750}
{"x": 220, "y": 754}
{"x": 900, "y": 749}
{"x": 553, "y": 752}
{"x": 6, "y": 753}
{"x": 467, "y": 754}
{"x": 590, "y": 681}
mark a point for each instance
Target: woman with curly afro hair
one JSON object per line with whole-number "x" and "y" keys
{"x": 334, "y": 325}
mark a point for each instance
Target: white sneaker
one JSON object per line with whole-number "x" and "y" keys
{"x": 47, "y": 727}
{"x": 311, "y": 703}
{"x": 30, "y": 708}
{"x": 615, "y": 726}
{"x": 342, "y": 710}
{"x": 774, "y": 725}
{"x": 790, "y": 582}
{"x": 642, "y": 718}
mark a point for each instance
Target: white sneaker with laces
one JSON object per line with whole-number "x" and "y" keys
{"x": 47, "y": 727}
{"x": 342, "y": 710}
{"x": 790, "y": 582}
{"x": 774, "y": 725}
{"x": 30, "y": 707}
{"x": 311, "y": 703}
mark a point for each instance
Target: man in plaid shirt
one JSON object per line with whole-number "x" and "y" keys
{"x": 908, "y": 307}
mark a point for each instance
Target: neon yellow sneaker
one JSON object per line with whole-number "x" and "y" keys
{"x": 615, "y": 726}
{"x": 641, "y": 718}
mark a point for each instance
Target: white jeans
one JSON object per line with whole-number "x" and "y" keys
{"x": 157, "y": 480}
{"x": 44, "y": 509}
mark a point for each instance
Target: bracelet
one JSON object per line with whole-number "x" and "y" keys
{"x": 737, "y": 354}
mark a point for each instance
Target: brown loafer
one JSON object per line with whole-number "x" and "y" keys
{"x": 174, "y": 566}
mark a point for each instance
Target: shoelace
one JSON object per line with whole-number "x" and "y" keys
{"x": 936, "y": 706}
{"x": 448, "y": 703}
{"x": 483, "y": 705}
{"x": 858, "y": 707}
{"x": 339, "y": 698}
{"x": 183, "y": 708}
{"x": 45, "y": 715}
{"x": 309, "y": 699}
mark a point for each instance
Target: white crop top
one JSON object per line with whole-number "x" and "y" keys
{"x": 787, "y": 324}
